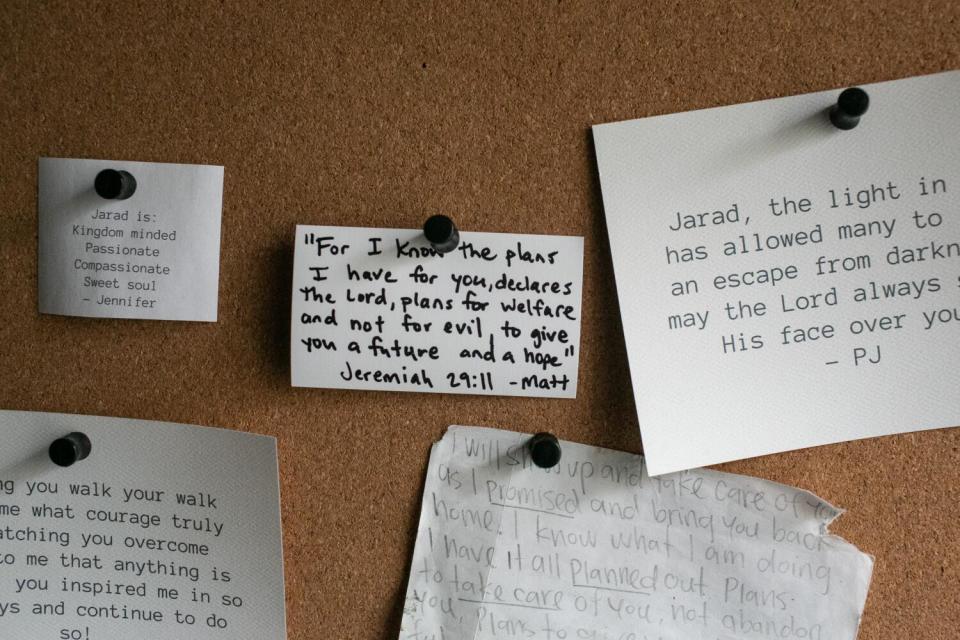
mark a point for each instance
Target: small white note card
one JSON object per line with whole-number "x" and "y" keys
{"x": 165, "y": 531}
{"x": 596, "y": 549}
{"x": 380, "y": 309}
{"x": 784, "y": 283}
{"x": 152, "y": 256}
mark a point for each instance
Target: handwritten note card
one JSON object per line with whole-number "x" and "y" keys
{"x": 380, "y": 309}
{"x": 153, "y": 256}
{"x": 783, "y": 283}
{"x": 596, "y": 549}
{"x": 165, "y": 531}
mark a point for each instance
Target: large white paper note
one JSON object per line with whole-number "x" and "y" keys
{"x": 165, "y": 531}
{"x": 152, "y": 256}
{"x": 783, "y": 283}
{"x": 380, "y": 309}
{"x": 596, "y": 549}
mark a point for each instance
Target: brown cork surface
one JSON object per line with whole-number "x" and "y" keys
{"x": 377, "y": 114}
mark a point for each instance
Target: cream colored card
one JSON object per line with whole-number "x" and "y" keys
{"x": 783, "y": 283}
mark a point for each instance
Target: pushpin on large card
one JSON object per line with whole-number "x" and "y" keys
{"x": 787, "y": 268}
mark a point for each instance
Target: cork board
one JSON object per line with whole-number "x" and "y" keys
{"x": 325, "y": 113}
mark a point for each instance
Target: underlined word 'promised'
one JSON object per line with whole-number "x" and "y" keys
{"x": 381, "y": 309}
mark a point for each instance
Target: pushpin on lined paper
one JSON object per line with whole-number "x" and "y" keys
{"x": 851, "y": 104}
{"x": 544, "y": 450}
{"x": 441, "y": 233}
{"x": 113, "y": 184}
{"x": 70, "y": 449}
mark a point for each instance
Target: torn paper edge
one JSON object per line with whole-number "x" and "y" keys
{"x": 831, "y": 539}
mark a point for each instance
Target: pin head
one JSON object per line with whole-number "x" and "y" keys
{"x": 544, "y": 450}
{"x": 112, "y": 184}
{"x": 441, "y": 233}
{"x": 851, "y": 104}
{"x": 70, "y": 449}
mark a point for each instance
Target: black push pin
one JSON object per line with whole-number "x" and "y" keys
{"x": 544, "y": 450}
{"x": 442, "y": 233}
{"x": 851, "y": 104}
{"x": 114, "y": 185}
{"x": 69, "y": 449}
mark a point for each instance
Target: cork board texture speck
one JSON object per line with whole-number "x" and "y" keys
{"x": 378, "y": 114}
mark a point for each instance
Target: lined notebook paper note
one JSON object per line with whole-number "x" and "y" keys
{"x": 595, "y": 548}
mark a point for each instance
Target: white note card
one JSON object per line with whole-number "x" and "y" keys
{"x": 152, "y": 256}
{"x": 165, "y": 531}
{"x": 784, "y": 283}
{"x": 594, "y": 548}
{"x": 380, "y": 309}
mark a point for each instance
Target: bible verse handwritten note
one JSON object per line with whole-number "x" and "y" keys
{"x": 380, "y": 309}
{"x": 596, "y": 549}
{"x": 165, "y": 531}
{"x": 152, "y": 256}
{"x": 783, "y": 283}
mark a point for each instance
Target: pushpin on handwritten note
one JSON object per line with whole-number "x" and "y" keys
{"x": 382, "y": 309}
{"x": 595, "y": 548}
